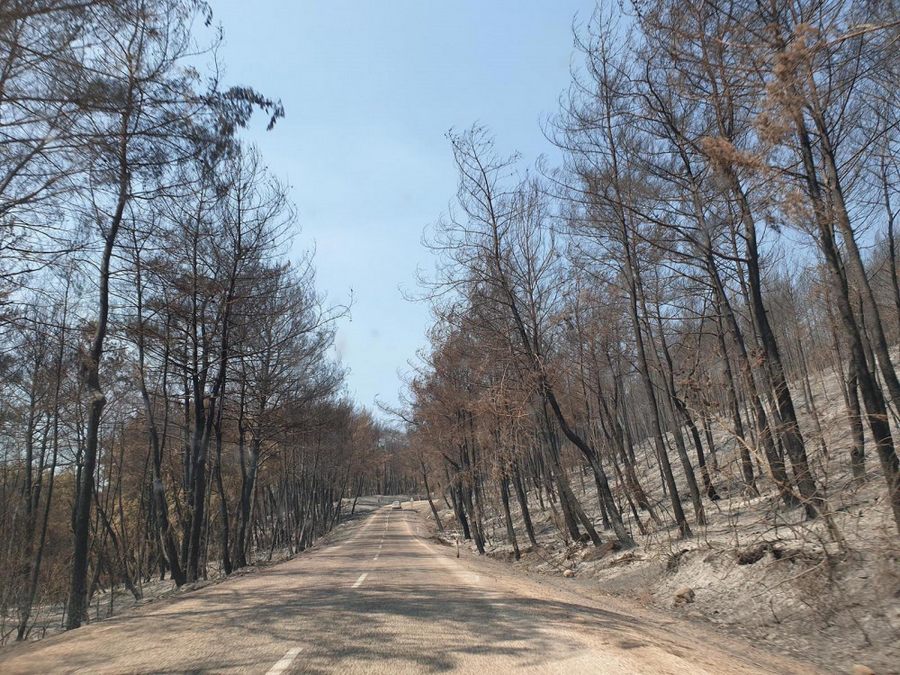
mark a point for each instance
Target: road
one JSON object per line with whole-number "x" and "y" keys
{"x": 385, "y": 599}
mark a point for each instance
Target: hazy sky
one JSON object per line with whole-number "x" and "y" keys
{"x": 370, "y": 88}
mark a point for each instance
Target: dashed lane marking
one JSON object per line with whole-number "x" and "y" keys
{"x": 359, "y": 582}
{"x": 285, "y": 662}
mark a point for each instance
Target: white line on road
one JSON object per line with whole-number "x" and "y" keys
{"x": 285, "y": 661}
{"x": 376, "y": 556}
{"x": 362, "y": 578}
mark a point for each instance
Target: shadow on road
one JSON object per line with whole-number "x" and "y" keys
{"x": 419, "y": 617}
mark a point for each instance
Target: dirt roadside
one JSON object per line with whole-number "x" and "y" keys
{"x": 653, "y": 582}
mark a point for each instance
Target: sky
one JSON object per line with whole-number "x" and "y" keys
{"x": 370, "y": 88}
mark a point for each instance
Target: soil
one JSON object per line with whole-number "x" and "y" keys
{"x": 755, "y": 569}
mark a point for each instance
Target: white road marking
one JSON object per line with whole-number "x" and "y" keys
{"x": 362, "y": 578}
{"x": 376, "y": 556}
{"x": 285, "y": 661}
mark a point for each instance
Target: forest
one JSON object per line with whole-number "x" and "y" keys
{"x": 686, "y": 329}
{"x": 169, "y": 401}
{"x": 671, "y": 337}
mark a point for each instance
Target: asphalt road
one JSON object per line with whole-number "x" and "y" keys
{"x": 383, "y": 599}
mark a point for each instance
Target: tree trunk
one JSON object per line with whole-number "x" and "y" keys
{"x": 510, "y": 530}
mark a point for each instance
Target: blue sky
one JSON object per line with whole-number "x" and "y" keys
{"x": 370, "y": 88}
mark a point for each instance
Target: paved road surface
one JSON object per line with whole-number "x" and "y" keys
{"x": 385, "y": 600}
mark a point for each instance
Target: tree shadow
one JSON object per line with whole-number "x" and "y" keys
{"x": 419, "y": 618}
